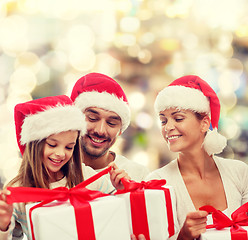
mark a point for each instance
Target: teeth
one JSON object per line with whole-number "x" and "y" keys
{"x": 172, "y": 137}
{"x": 56, "y": 161}
{"x": 97, "y": 140}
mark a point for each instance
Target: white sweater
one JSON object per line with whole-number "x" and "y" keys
{"x": 234, "y": 175}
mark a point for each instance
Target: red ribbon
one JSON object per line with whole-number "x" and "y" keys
{"x": 138, "y": 205}
{"x": 78, "y": 196}
{"x": 238, "y": 218}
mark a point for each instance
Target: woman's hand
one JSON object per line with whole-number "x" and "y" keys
{"x": 194, "y": 225}
{"x": 6, "y": 211}
{"x": 116, "y": 175}
{"x": 140, "y": 237}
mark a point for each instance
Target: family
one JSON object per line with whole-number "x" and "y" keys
{"x": 65, "y": 140}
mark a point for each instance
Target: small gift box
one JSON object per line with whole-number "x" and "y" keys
{"x": 224, "y": 228}
{"x": 151, "y": 208}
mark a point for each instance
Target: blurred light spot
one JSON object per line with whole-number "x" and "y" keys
{"x": 80, "y": 36}
{"x": 228, "y": 99}
{"x": 230, "y": 129}
{"x": 130, "y": 24}
{"x": 133, "y": 51}
{"x": 169, "y": 44}
{"x": 145, "y": 56}
{"x": 144, "y": 120}
{"x": 83, "y": 60}
{"x": 29, "y": 60}
{"x": 28, "y": 6}
{"x": 108, "y": 65}
{"x": 141, "y": 158}
{"x": 11, "y": 29}
{"x": 242, "y": 31}
{"x": 136, "y": 100}
{"x": 22, "y": 80}
{"x": 147, "y": 38}
{"x": 128, "y": 39}
{"x": 56, "y": 60}
{"x": 190, "y": 41}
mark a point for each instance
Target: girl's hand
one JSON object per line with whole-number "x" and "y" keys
{"x": 6, "y": 211}
{"x": 140, "y": 237}
{"x": 116, "y": 175}
{"x": 194, "y": 225}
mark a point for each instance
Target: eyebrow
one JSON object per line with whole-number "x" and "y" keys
{"x": 173, "y": 113}
{"x": 96, "y": 112}
{"x": 55, "y": 140}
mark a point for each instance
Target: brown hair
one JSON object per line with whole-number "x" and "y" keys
{"x": 33, "y": 173}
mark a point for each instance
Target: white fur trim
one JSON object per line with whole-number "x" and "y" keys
{"x": 214, "y": 142}
{"x": 51, "y": 121}
{"x": 105, "y": 101}
{"x": 182, "y": 97}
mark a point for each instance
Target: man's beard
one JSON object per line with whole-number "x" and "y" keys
{"x": 94, "y": 154}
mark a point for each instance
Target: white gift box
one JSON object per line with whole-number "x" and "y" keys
{"x": 157, "y": 210}
{"x": 223, "y": 234}
{"x": 57, "y": 220}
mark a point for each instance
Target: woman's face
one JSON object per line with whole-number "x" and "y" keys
{"x": 181, "y": 129}
{"x": 58, "y": 150}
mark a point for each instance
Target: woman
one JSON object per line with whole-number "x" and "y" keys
{"x": 187, "y": 108}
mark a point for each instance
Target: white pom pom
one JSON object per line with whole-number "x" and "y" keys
{"x": 214, "y": 142}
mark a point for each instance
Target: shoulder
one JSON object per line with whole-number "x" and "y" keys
{"x": 232, "y": 164}
{"x": 164, "y": 172}
{"x": 87, "y": 171}
{"x": 123, "y": 162}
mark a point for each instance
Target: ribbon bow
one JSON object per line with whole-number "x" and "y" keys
{"x": 131, "y": 186}
{"x": 220, "y": 220}
{"x": 78, "y": 197}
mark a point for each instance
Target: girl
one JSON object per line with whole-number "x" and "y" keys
{"x": 187, "y": 108}
{"x": 47, "y": 132}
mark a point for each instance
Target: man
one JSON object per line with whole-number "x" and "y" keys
{"x": 107, "y": 112}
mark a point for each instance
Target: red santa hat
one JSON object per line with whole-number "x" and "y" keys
{"x": 99, "y": 90}
{"x": 40, "y": 118}
{"x": 192, "y": 93}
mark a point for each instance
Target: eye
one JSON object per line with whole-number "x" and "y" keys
{"x": 163, "y": 121}
{"x": 179, "y": 119}
{"x": 51, "y": 145}
{"x": 69, "y": 148}
{"x": 92, "y": 118}
{"x": 112, "y": 124}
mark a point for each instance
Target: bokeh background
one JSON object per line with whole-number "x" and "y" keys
{"x": 47, "y": 45}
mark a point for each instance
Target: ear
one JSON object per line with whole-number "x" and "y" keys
{"x": 205, "y": 123}
{"x": 120, "y": 133}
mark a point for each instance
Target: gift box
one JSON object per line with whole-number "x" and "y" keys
{"x": 225, "y": 234}
{"x": 225, "y": 228}
{"x": 76, "y": 213}
{"x": 151, "y": 208}
{"x": 57, "y": 220}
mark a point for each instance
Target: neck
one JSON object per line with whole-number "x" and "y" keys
{"x": 99, "y": 162}
{"x": 195, "y": 163}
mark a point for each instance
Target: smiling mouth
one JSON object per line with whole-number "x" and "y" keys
{"x": 56, "y": 161}
{"x": 97, "y": 140}
{"x": 173, "y": 137}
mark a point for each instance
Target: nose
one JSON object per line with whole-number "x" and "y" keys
{"x": 169, "y": 125}
{"x": 101, "y": 127}
{"x": 60, "y": 153}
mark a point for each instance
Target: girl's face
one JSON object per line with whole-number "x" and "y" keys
{"x": 181, "y": 129}
{"x": 58, "y": 150}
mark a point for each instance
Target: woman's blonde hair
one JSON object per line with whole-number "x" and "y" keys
{"x": 33, "y": 173}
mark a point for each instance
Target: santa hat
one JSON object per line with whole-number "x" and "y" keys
{"x": 99, "y": 90}
{"x": 40, "y": 118}
{"x": 192, "y": 93}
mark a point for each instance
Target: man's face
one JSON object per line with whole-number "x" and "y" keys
{"x": 103, "y": 128}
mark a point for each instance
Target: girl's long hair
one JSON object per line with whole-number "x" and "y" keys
{"x": 33, "y": 173}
